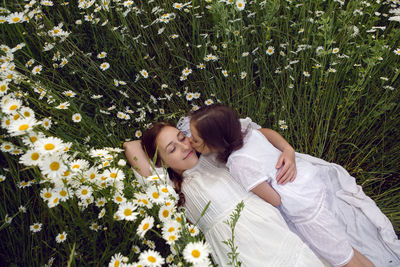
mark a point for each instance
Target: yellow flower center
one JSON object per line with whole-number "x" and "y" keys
{"x": 27, "y": 114}
{"x": 127, "y": 212}
{"x": 54, "y": 166}
{"x": 113, "y": 175}
{"x": 171, "y": 229}
{"x": 13, "y": 107}
{"x": 16, "y": 19}
{"x": 76, "y": 166}
{"x": 47, "y": 195}
{"x": 145, "y": 226}
{"x": 151, "y": 259}
{"x": 63, "y": 193}
{"x": 156, "y": 195}
{"x": 165, "y": 213}
{"x": 195, "y": 253}
{"x": 3, "y": 87}
{"x": 84, "y": 192}
{"x": 23, "y": 127}
{"x": 66, "y": 173}
{"x": 119, "y": 199}
{"x": 35, "y": 156}
{"x": 33, "y": 139}
{"x": 49, "y": 146}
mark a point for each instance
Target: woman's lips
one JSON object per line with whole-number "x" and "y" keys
{"x": 189, "y": 154}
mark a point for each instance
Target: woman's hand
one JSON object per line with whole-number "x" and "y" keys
{"x": 288, "y": 172}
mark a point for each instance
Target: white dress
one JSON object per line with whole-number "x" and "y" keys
{"x": 261, "y": 234}
{"x": 326, "y": 223}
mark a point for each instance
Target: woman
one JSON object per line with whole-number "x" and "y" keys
{"x": 261, "y": 234}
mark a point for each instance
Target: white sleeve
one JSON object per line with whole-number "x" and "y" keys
{"x": 184, "y": 126}
{"x": 247, "y": 123}
{"x": 247, "y": 171}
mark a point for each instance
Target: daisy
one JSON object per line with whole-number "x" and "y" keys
{"x": 193, "y": 230}
{"x": 63, "y": 193}
{"x": 209, "y": 102}
{"x": 53, "y": 166}
{"x": 95, "y": 227}
{"x": 138, "y": 134}
{"x": 154, "y": 196}
{"x": 27, "y": 112}
{"x": 69, "y": 93}
{"x": 36, "y": 227}
{"x": 102, "y": 213}
{"x": 84, "y": 192}
{"x": 16, "y": 17}
{"x": 201, "y": 66}
{"x": 30, "y": 158}
{"x": 170, "y": 237}
{"x": 53, "y": 201}
{"x": 2, "y": 178}
{"x": 37, "y": 69}
{"x": 397, "y": 51}
{"x": 171, "y": 226}
{"x": 225, "y": 73}
{"x": 146, "y": 224}
{"x": 165, "y": 213}
{"x": 331, "y": 70}
{"x": 335, "y": 50}
{"x": 306, "y": 73}
{"x": 116, "y": 260}
{"x": 61, "y": 237}
{"x": 196, "y": 252}
{"x": 270, "y": 50}
{"x": 11, "y": 105}
{"x": 64, "y": 105}
{"x": 104, "y": 66}
{"x": 76, "y": 117}
{"x": 3, "y": 88}
{"x": 151, "y": 258}
{"x": 136, "y": 249}
{"x": 114, "y": 174}
{"x": 240, "y": 4}
{"x": 243, "y": 75}
{"x": 78, "y": 165}
{"x": 177, "y": 6}
{"x": 46, "y": 194}
{"x": 284, "y": 127}
{"x": 144, "y": 73}
{"x": 102, "y": 55}
{"x": 21, "y": 126}
{"x": 189, "y": 96}
{"x": 186, "y": 71}
{"x": 6, "y": 147}
{"x": 119, "y": 199}
{"x": 49, "y": 145}
{"x": 126, "y": 211}
{"x": 46, "y": 123}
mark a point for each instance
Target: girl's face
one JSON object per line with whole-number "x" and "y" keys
{"x": 196, "y": 141}
{"x": 175, "y": 150}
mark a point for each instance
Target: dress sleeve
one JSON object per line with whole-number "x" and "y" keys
{"x": 247, "y": 171}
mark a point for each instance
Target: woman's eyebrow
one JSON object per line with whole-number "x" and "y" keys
{"x": 170, "y": 143}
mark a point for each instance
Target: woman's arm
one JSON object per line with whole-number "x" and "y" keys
{"x": 137, "y": 158}
{"x": 266, "y": 192}
{"x": 287, "y": 159}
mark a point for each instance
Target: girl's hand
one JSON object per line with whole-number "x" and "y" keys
{"x": 288, "y": 172}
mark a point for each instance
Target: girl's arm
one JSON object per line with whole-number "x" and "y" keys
{"x": 266, "y": 192}
{"x": 287, "y": 160}
{"x": 137, "y": 158}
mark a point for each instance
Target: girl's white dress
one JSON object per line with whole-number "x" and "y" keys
{"x": 323, "y": 205}
{"x": 261, "y": 234}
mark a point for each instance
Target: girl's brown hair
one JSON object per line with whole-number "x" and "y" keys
{"x": 219, "y": 127}
{"x": 149, "y": 145}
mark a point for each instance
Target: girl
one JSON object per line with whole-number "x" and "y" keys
{"x": 261, "y": 234}
{"x": 313, "y": 208}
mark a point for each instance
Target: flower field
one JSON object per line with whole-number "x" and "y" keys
{"x": 80, "y": 77}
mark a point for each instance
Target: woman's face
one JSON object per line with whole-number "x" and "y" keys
{"x": 196, "y": 141}
{"x": 175, "y": 150}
